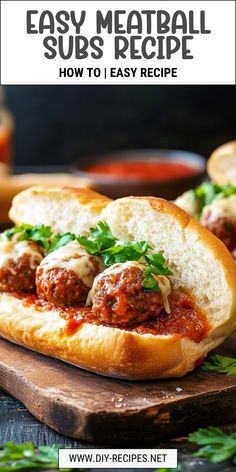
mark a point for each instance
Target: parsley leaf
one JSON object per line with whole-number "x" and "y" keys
{"x": 60, "y": 240}
{"x": 41, "y": 234}
{"x": 155, "y": 267}
{"x": 217, "y": 446}
{"x": 149, "y": 282}
{"x": 123, "y": 251}
{"x": 102, "y": 231}
{"x": 100, "y": 239}
{"x": 157, "y": 262}
{"x": 207, "y": 192}
{"x": 92, "y": 247}
{"x": 27, "y": 456}
{"x": 220, "y": 365}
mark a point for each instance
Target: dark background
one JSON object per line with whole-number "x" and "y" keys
{"x": 58, "y": 124}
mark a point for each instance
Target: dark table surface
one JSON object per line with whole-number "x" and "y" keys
{"x": 18, "y": 425}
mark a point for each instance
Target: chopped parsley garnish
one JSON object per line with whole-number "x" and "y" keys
{"x": 220, "y": 365}
{"x": 41, "y": 234}
{"x": 112, "y": 250}
{"x": 207, "y": 192}
{"x": 100, "y": 242}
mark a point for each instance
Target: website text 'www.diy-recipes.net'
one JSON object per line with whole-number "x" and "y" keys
{"x": 118, "y": 458}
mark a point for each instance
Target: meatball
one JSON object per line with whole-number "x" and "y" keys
{"x": 221, "y": 226}
{"x": 65, "y": 276}
{"x": 118, "y": 297}
{"x": 18, "y": 264}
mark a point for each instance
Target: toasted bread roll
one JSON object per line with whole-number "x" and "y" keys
{"x": 221, "y": 165}
{"x": 64, "y": 209}
{"x": 11, "y": 185}
{"x": 201, "y": 264}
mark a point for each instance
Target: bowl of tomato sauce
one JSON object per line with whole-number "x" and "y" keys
{"x": 159, "y": 172}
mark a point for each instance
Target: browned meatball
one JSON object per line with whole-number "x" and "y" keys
{"x": 65, "y": 276}
{"x": 18, "y": 263}
{"x": 223, "y": 227}
{"x": 118, "y": 297}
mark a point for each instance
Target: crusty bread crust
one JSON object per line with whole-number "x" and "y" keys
{"x": 221, "y": 165}
{"x": 64, "y": 209}
{"x": 201, "y": 263}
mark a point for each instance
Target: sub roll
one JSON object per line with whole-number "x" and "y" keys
{"x": 133, "y": 288}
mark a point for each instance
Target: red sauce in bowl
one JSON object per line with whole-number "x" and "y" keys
{"x": 144, "y": 170}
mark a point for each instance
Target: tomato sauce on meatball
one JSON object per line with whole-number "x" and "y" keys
{"x": 118, "y": 297}
{"x": 65, "y": 276}
{"x": 18, "y": 264}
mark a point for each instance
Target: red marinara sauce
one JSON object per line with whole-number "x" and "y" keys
{"x": 144, "y": 170}
{"x": 184, "y": 320}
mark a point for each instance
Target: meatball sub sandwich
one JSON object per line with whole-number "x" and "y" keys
{"x": 214, "y": 203}
{"x": 133, "y": 288}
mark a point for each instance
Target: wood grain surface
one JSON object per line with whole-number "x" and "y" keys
{"x": 86, "y": 406}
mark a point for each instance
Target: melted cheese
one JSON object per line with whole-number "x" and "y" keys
{"x": 165, "y": 288}
{"x": 11, "y": 250}
{"x": 72, "y": 257}
{"x": 163, "y": 282}
{"x": 226, "y": 208}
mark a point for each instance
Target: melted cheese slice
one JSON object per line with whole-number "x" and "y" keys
{"x": 163, "y": 282}
{"x": 226, "y": 207}
{"x": 14, "y": 250}
{"x": 72, "y": 257}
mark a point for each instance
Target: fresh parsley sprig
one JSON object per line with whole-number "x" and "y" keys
{"x": 112, "y": 250}
{"x": 26, "y": 456}
{"x": 220, "y": 365}
{"x": 217, "y": 446}
{"x": 100, "y": 239}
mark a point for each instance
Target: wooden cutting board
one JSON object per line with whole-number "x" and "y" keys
{"x": 86, "y": 406}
